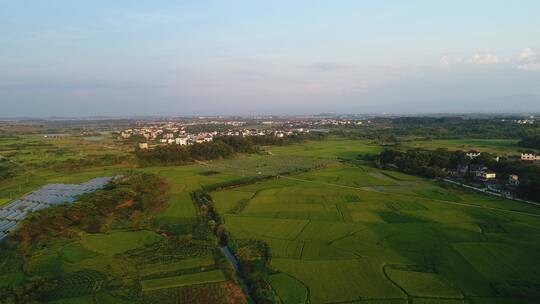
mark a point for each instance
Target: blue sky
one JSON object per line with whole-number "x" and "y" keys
{"x": 73, "y": 58}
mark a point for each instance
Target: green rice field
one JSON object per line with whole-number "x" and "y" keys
{"x": 355, "y": 234}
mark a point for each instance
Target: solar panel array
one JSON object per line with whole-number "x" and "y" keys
{"x": 47, "y": 196}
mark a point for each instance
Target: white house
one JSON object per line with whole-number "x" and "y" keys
{"x": 143, "y": 146}
{"x": 182, "y": 141}
{"x": 529, "y": 156}
{"x": 472, "y": 154}
{"x": 486, "y": 175}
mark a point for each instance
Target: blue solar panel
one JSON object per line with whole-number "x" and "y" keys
{"x": 46, "y": 196}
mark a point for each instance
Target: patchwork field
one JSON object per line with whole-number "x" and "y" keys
{"x": 352, "y": 233}
{"x": 114, "y": 267}
{"x": 336, "y": 233}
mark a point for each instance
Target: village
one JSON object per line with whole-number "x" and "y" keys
{"x": 181, "y": 133}
{"x": 479, "y": 176}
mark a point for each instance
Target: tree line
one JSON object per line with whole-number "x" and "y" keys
{"x": 395, "y": 129}
{"x": 221, "y": 147}
{"x": 532, "y": 142}
{"x": 439, "y": 163}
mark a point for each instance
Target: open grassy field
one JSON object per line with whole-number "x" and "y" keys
{"x": 118, "y": 242}
{"x": 327, "y": 149}
{"x": 358, "y": 233}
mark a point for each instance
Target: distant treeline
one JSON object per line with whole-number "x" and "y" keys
{"x": 219, "y": 148}
{"x": 532, "y": 142}
{"x": 438, "y": 163}
{"x": 390, "y": 129}
{"x": 176, "y": 154}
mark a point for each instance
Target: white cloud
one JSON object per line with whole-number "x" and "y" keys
{"x": 444, "y": 62}
{"x": 529, "y": 60}
{"x": 527, "y": 54}
{"x": 530, "y": 66}
{"x": 484, "y": 59}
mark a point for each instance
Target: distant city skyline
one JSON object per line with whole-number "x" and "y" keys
{"x": 125, "y": 58}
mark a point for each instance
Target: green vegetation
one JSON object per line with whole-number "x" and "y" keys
{"x": 176, "y": 154}
{"x": 289, "y": 290}
{"x": 351, "y": 232}
{"x": 506, "y": 147}
{"x": 122, "y": 244}
{"x": 129, "y": 198}
{"x": 532, "y": 142}
{"x": 392, "y": 130}
{"x": 308, "y": 221}
{"x": 442, "y": 163}
{"x": 119, "y": 241}
{"x": 188, "y": 279}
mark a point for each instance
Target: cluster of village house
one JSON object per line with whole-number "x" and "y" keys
{"x": 174, "y": 134}
{"x": 482, "y": 173}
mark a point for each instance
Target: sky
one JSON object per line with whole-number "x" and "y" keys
{"x": 210, "y": 57}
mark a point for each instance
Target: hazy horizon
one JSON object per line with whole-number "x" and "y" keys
{"x": 63, "y": 58}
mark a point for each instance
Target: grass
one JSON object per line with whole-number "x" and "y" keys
{"x": 75, "y": 252}
{"x": 332, "y": 231}
{"x": 184, "y": 280}
{"x": 335, "y": 229}
{"x": 118, "y": 242}
{"x": 199, "y": 262}
{"x": 289, "y": 290}
{"x": 423, "y": 284}
{"x": 101, "y": 297}
{"x": 339, "y": 280}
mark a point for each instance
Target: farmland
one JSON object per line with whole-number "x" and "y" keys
{"x": 355, "y": 233}
{"x": 336, "y": 232}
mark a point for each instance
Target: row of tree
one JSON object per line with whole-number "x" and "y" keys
{"x": 428, "y": 163}
{"x": 438, "y": 163}
{"x": 395, "y": 129}
{"x": 176, "y": 154}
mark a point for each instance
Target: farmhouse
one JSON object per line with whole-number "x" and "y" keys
{"x": 473, "y": 153}
{"x": 143, "y": 146}
{"x": 513, "y": 180}
{"x": 529, "y": 156}
{"x": 486, "y": 175}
